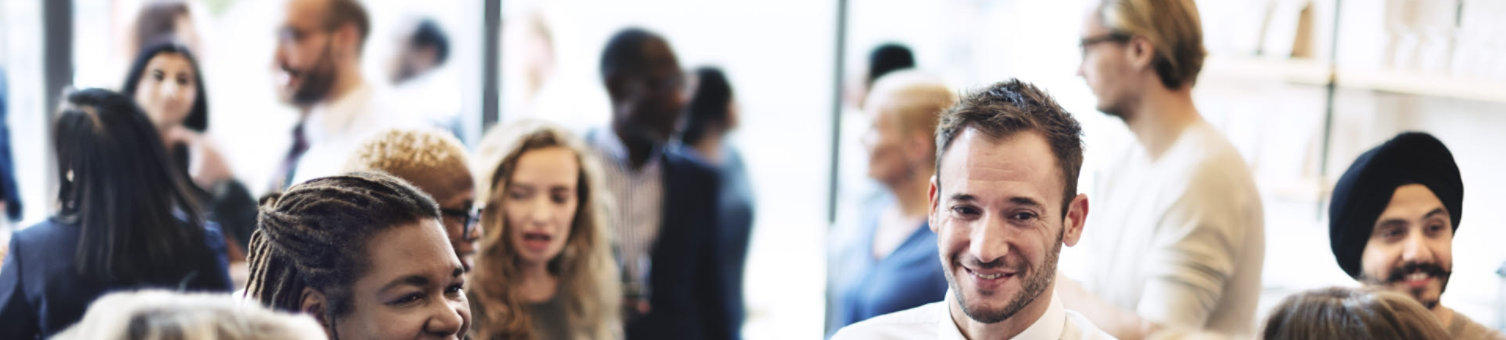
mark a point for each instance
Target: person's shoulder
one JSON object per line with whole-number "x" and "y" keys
{"x": 1463, "y": 327}
{"x": 682, "y": 163}
{"x": 46, "y": 232}
{"x": 914, "y": 323}
{"x": 1078, "y": 327}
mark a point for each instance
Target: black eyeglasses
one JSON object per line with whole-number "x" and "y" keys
{"x": 1118, "y": 37}
{"x": 468, "y": 219}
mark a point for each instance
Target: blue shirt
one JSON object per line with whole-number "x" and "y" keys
{"x": 908, "y": 277}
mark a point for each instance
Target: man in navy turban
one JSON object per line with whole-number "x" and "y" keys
{"x": 1392, "y": 222}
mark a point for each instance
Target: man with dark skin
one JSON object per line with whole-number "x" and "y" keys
{"x": 665, "y": 216}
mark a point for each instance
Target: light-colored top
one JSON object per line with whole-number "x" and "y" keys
{"x": 934, "y": 321}
{"x": 1179, "y": 240}
{"x": 334, "y": 129}
{"x": 638, "y": 202}
{"x": 1462, "y": 327}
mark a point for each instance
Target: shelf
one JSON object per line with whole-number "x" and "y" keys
{"x": 1297, "y": 71}
{"x": 1421, "y": 84}
{"x": 1312, "y": 72}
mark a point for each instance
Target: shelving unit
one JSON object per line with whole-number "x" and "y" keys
{"x": 1313, "y": 72}
{"x": 1422, "y": 84}
{"x": 1296, "y": 71}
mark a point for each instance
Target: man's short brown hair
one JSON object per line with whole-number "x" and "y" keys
{"x": 1008, "y": 108}
{"x": 341, "y": 12}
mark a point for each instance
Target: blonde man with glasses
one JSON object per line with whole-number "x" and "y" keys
{"x": 436, "y": 163}
{"x": 1181, "y": 236}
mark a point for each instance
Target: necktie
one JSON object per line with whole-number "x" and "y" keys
{"x": 290, "y": 162}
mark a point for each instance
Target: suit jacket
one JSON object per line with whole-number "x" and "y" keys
{"x": 690, "y": 295}
{"x": 8, "y": 191}
{"x": 41, "y": 292}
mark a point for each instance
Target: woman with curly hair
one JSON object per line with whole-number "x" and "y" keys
{"x": 545, "y": 268}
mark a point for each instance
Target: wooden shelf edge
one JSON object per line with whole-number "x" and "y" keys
{"x": 1297, "y": 71}
{"x": 1422, "y": 84}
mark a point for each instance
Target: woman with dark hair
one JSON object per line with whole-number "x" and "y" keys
{"x": 364, "y": 254}
{"x": 126, "y": 220}
{"x": 165, "y": 81}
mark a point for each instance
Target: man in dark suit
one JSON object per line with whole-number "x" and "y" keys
{"x": 664, "y": 209}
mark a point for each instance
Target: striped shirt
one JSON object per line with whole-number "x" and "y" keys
{"x": 637, "y": 205}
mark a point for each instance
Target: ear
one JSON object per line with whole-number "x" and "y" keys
{"x": 1077, "y": 214}
{"x": 933, "y": 194}
{"x": 314, "y": 303}
{"x": 1141, "y": 53}
{"x": 348, "y": 38}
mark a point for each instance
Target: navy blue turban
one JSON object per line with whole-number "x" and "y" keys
{"x": 1364, "y": 191}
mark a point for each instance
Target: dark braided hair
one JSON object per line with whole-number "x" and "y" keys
{"x": 314, "y": 236}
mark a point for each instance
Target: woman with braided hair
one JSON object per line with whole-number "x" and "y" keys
{"x": 126, "y": 219}
{"x": 544, "y": 269}
{"x": 365, "y": 254}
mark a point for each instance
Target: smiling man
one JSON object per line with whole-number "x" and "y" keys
{"x": 1392, "y": 221}
{"x": 1003, "y": 202}
{"x": 317, "y": 68}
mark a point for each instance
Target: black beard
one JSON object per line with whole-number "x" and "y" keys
{"x": 317, "y": 80}
{"x": 1400, "y": 273}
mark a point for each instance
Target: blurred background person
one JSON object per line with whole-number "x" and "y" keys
{"x": 1350, "y": 313}
{"x": 664, "y": 215}
{"x": 422, "y": 48}
{"x": 166, "y": 21}
{"x": 317, "y": 67}
{"x": 711, "y": 116}
{"x": 164, "y": 315}
{"x": 436, "y": 163}
{"x": 1392, "y": 221}
{"x": 882, "y": 60}
{"x": 890, "y": 263}
{"x": 117, "y": 226}
{"x": 545, "y": 269}
{"x": 365, "y": 254}
{"x": 1182, "y": 236}
{"x": 10, "y": 194}
{"x": 157, "y": 22}
{"x": 528, "y": 42}
{"x": 415, "y": 72}
{"x": 166, "y": 82}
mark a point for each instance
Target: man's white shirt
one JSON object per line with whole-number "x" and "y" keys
{"x": 934, "y": 321}
{"x": 334, "y": 130}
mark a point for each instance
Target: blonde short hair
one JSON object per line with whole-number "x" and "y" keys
{"x": 914, "y": 98}
{"x": 413, "y": 155}
{"x": 165, "y": 315}
{"x": 1173, "y": 26}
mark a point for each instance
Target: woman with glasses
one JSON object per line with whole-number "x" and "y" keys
{"x": 436, "y": 163}
{"x": 545, "y": 269}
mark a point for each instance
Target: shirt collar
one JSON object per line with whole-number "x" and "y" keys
{"x": 1049, "y": 326}
{"x": 607, "y": 142}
